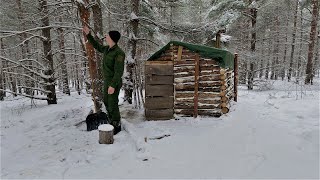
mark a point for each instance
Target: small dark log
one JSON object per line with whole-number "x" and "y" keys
{"x": 184, "y": 74}
{"x": 213, "y": 69}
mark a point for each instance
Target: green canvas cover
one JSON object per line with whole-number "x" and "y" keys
{"x": 223, "y": 57}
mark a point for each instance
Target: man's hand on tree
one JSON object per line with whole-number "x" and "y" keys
{"x": 110, "y": 90}
{"x": 86, "y": 30}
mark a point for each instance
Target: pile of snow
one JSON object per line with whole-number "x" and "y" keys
{"x": 105, "y": 127}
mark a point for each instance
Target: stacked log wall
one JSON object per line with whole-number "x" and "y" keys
{"x": 209, "y": 95}
{"x": 227, "y": 82}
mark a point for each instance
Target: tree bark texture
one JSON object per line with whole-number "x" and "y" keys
{"x": 85, "y": 15}
{"x": 313, "y": 31}
{"x": 293, "y": 40}
{"x": 63, "y": 63}
{"x": 134, "y": 23}
{"x": 49, "y": 72}
{"x": 98, "y": 28}
{"x": 253, "y": 12}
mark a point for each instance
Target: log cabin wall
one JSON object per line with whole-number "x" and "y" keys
{"x": 199, "y": 85}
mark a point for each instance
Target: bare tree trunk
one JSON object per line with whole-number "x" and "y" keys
{"x": 128, "y": 86}
{"x": 63, "y": 63}
{"x": 52, "y": 99}
{"x": 12, "y": 80}
{"x": 242, "y": 62}
{"x": 270, "y": 58}
{"x": 2, "y": 77}
{"x": 24, "y": 51}
{"x": 300, "y": 47}
{"x": 316, "y": 58}
{"x": 293, "y": 40}
{"x": 262, "y": 58}
{"x": 275, "y": 61}
{"x": 98, "y": 28}
{"x": 253, "y": 12}
{"x": 84, "y": 15}
{"x": 313, "y": 31}
{"x": 283, "y": 69}
{"x": 77, "y": 67}
{"x": 109, "y": 17}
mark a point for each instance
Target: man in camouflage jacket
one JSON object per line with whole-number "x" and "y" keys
{"x": 112, "y": 69}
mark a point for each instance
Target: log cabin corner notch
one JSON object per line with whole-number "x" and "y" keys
{"x": 189, "y": 80}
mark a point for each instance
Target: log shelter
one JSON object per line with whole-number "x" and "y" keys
{"x": 189, "y": 80}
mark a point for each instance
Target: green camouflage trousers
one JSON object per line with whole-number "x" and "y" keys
{"x": 111, "y": 102}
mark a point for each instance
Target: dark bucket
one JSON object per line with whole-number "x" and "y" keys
{"x": 95, "y": 119}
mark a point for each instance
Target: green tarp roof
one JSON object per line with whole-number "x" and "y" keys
{"x": 224, "y": 58}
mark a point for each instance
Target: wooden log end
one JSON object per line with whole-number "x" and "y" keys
{"x": 106, "y": 134}
{"x": 223, "y": 105}
{"x": 222, "y": 71}
{"x": 224, "y": 110}
{"x": 223, "y": 87}
{"x": 224, "y": 99}
{"x": 223, "y": 93}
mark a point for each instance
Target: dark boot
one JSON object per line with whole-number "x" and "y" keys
{"x": 117, "y": 127}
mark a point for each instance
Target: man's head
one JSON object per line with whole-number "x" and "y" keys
{"x": 113, "y": 37}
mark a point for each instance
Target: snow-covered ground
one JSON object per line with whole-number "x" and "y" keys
{"x": 267, "y": 134}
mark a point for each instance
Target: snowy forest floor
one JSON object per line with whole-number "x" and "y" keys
{"x": 267, "y": 134}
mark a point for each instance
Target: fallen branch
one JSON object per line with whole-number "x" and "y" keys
{"x": 159, "y": 137}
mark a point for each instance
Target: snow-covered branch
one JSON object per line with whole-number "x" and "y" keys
{"x": 25, "y": 95}
{"x": 14, "y": 33}
{"x": 25, "y": 75}
{"x": 25, "y": 67}
{"x": 32, "y": 60}
{"x": 146, "y": 19}
{"x": 38, "y": 89}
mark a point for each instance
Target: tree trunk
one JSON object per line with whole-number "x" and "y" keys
{"x": 313, "y": 31}
{"x": 84, "y": 15}
{"x": 2, "y": 77}
{"x": 283, "y": 69}
{"x": 275, "y": 61}
{"x": 316, "y": 58}
{"x": 262, "y": 58}
{"x": 253, "y": 12}
{"x": 293, "y": 40}
{"x": 77, "y": 67}
{"x": 49, "y": 72}
{"x": 98, "y": 28}
{"x": 24, "y": 51}
{"x": 109, "y": 17}
{"x": 128, "y": 86}
{"x": 63, "y": 63}
{"x": 298, "y": 74}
